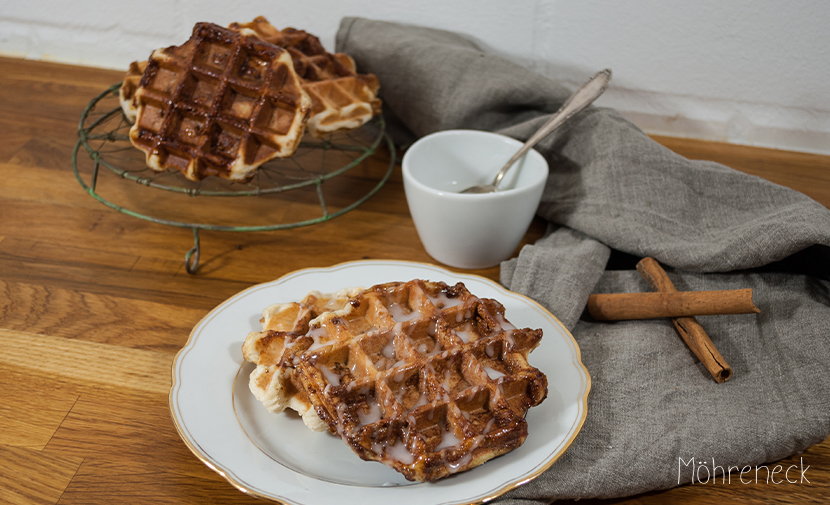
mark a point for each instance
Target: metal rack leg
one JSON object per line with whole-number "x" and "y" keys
{"x": 191, "y": 259}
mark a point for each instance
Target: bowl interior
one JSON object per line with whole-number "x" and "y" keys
{"x": 453, "y": 160}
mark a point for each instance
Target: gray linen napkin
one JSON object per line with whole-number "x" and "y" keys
{"x": 613, "y": 192}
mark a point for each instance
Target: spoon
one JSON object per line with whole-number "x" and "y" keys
{"x": 582, "y": 98}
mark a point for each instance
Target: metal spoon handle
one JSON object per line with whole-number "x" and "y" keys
{"x": 582, "y": 98}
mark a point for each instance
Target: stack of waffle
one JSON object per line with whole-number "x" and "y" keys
{"x": 341, "y": 99}
{"x": 421, "y": 376}
{"x": 230, "y": 99}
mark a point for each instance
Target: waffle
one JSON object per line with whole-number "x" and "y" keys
{"x": 421, "y": 376}
{"x": 126, "y": 94}
{"x": 222, "y": 103}
{"x": 341, "y": 99}
{"x": 270, "y": 382}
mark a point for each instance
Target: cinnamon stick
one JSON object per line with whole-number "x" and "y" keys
{"x": 689, "y": 329}
{"x": 622, "y": 306}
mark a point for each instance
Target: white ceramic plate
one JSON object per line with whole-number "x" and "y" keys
{"x": 276, "y": 457}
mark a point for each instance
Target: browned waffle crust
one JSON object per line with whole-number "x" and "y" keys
{"x": 272, "y": 381}
{"x": 126, "y": 94}
{"x": 341, "y": 99}
{"x": 421, "y": 376}
{"x": 221, "y": 104}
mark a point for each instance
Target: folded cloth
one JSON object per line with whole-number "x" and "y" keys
{"x": 613, "y": 192}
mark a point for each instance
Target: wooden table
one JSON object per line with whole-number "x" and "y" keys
{"x": 94, "y": 305}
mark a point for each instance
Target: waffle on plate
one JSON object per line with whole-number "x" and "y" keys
{"x": 422, "y": 376}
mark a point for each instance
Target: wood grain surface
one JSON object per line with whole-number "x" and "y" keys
{"x": 94, "y": 304}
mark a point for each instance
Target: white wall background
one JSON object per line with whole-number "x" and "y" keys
{"x": 747, "y": 72}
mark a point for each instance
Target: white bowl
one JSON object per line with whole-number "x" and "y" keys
{"x": 471, "y": 230}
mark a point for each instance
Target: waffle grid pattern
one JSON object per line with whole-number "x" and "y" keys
{"x": 341, "y": 99}
{"x": 421, "y": 376}
{"x": 220, "y": 104}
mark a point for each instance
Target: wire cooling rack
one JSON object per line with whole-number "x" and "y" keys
{"x": 103, "y": 132}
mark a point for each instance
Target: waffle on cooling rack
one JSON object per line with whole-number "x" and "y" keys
{"x": 424, "y": 377}
{"x": 341, "y": 99}
{"x": 220, "y": 104}
{"x": 126, "y": 93}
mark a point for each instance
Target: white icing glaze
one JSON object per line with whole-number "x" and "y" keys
{"x": 469, "y": 368}
{"x": 505, "y": 324}
{"x": 422, "y": 400}
{"x": 446, "y": 382}
{"x": 460, "y": 463}
{"x": 436, "y": 349}
{"x": 331, "y": 377}
{"x": 388, "y": 403}
{"x": 448, "y": 439}
{"x": 508, "y": 337}
{"x": 388, "y": 350}
{"x": 492, "y": 373}
{"x": 398, "y": 364}
{"x": 318, "y": 334}
{"x": 442, "y": 301}
{"x": 468, "y": 456}
{"x": 370, "y": 413}
{"x": 489, "y": 425}
{"x": 490, "y": 350}
{"x": 399, "y": 452}
{"x": 402, "y": 314}
{"x": 464, "y": 332}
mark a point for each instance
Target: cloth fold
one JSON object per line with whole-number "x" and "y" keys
{"x": 613, "y": 190}
{"x": 559, "y": 271}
